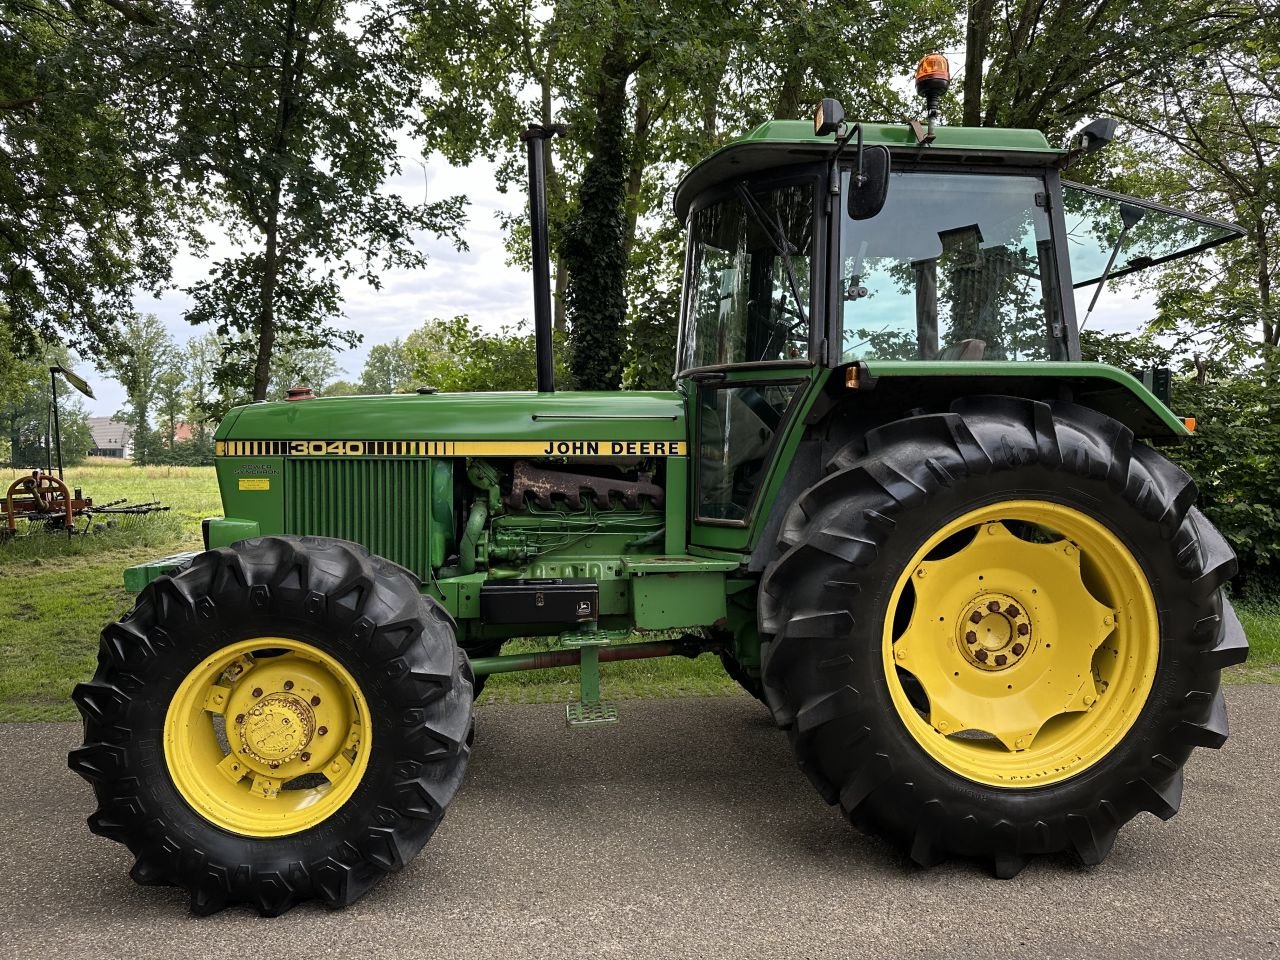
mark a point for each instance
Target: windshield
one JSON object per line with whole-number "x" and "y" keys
{"x": 955, "y": 267}
{"x": 747, "y": 297}
{"x": 1097, "y": 231}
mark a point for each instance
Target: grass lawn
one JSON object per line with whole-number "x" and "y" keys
{"x": 56, "y": 593}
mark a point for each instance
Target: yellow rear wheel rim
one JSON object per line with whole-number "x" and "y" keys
{"x": 267, "y": 737}
{"x": 1027, "y": 635}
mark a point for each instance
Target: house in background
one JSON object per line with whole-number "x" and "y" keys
{"x": 110, "y": 438}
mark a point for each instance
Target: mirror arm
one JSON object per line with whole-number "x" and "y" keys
{"x": 842, "y": 140}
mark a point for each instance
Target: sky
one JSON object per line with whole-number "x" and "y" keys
{"x": 477, "y": 282}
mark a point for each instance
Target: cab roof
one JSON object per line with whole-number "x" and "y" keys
{"x": 778, "y": 143}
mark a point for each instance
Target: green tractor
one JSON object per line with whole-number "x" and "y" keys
{"x": 944, "y": 552}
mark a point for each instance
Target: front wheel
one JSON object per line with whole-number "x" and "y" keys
{"x": 284, "y": 719}
{"x": 997, "y": 632}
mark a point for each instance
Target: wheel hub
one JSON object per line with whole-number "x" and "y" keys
{"x": 276, "y": 729}
{"x": 994, "y": 631}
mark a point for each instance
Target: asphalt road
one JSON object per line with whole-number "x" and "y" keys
{"x": 684, "y": 831}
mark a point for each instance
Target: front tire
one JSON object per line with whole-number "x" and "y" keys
{"x": 284, "y": 719}
{"x": 910, "y": 626}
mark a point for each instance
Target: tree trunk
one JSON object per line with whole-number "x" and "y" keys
{"x": 635, "y": 170}
{"x": 977, "y": 32}
{"x": 266, "y": 303}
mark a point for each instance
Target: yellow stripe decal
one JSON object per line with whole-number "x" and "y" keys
{"x": 450, "y": 448}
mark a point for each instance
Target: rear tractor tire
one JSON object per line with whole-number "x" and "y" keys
{"x": 997, "y": 632}
{"x": 282, "y": 720}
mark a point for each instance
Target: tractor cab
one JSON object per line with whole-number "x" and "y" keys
{"x": 812, "y": 261}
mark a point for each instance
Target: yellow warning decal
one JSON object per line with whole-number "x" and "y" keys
{"x": 255, "y": 483}
{"x": 449, "y": 448}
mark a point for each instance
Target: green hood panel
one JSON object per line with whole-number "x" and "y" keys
{"x": 654, "y": 415}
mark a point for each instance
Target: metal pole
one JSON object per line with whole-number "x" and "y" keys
{"x": 57, "y": 426}
{"x": 546, "y": 660}
{"x": 534, "y": 137}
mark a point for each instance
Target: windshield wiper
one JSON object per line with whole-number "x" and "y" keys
{"x": 778, "y": 237}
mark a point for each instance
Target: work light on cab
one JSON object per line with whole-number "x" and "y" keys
{"x": 933, "y": 77}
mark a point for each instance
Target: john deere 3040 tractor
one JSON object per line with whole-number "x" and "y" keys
{"x": 946, "y": 554}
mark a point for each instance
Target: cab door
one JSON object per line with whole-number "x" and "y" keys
{"x": 749, "y": 341}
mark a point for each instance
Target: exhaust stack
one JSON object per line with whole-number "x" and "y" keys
{"x": 534, "y": 137}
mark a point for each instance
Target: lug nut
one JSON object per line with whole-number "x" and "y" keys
{"x": 239, "y": 718}
{"x": 274, "y": 764}
{"x": 1023, "y": 629}
{"x": 1017, "y": 649}
{"x": 970, "y": 637}
{"x": 315, "y": 701}
{"x": 322, "y": 731}
{"x": 975, "y": 617}
{"x": 1012, "y": 611}
{"x": 257, "y": 691}
{"x": 288, "y": 684}
{"x": 981, "y": 655}
{"x": 305, "y": 757}
{"x": 1001, "y": 659}
{"x": 994, "y": 606}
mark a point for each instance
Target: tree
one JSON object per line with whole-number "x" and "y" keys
{"x": 388, "y": 368}
{"x": 1049, "y": 65}
{"x": 87, "y": 208}
{"x": 300, "y": 361}
{"x": 171, "y": 407}
{"x": 139, "y": 364}
{"x": 457, "y": 356}
{"x": 26, "y": 421}
{"x": 285, "y": 121}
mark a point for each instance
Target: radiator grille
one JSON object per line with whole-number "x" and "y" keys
{"x": 383, "y": 504}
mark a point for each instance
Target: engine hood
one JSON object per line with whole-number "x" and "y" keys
{"x": 527, "y": 417}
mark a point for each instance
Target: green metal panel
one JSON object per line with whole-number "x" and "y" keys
{"x": 224, "y": 531}
{"x": 139, "y": 575}
{"x": 1107, "y": 389}
{"x": 901, "y": 135}
{"x": 383, "y": 504}
{"x": 664, "y": 601}
{"x": 623, "y": 416}
{"x": 253, "y": 488}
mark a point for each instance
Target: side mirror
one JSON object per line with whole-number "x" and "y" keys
{"x": 869, "y": 183}
{"x": 1098, "y": 134}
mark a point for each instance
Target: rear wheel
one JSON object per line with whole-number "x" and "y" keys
{"x": 997, "y": 632}
{"x": 284, "y": 719}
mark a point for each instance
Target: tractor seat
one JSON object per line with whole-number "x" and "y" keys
{"x": 965, "y": 350}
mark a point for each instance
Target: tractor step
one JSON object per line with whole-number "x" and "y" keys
{"x": 590, "y": 710}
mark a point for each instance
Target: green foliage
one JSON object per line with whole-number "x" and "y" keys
{"x": 25, "y": 417}
{"x": 87, "y": 210}
{"x": 387, "y": 370}
{"x": 1234, "y": 457}
{"x": 457, "y": 356}
{"x": 1234, "y": 454}
{"x": 144, "y": 360}
{"x": 594, "y": 244}
{"x": 285, "y": 120}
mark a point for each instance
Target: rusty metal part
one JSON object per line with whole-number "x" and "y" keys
{"x": 41, "y": 497}
{"x": 544, "y": 485}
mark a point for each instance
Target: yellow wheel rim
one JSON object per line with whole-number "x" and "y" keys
{"x": 267, "y": 737}
{"x": 1021, "y": 643}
